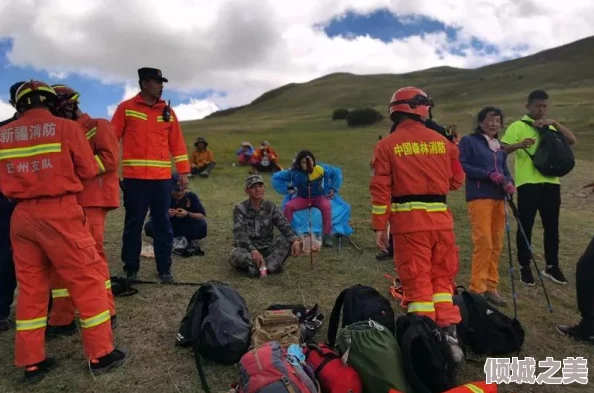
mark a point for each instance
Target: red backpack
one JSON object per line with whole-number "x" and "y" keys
{"x": 266, "y": 369}
{"x": 332, "y": 374}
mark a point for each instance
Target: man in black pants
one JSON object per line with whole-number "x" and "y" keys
{"x": 584, "y": 331}
{"x": 536, "y": 192}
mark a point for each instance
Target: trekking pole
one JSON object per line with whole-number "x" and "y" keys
{"x": 511, "y": 265}
{"x": 311, "y": 234}
{"x": 521, "y": 229}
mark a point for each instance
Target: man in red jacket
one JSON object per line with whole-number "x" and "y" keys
{"x": 151, "y": 137}
{"x": 100, "y": 195}
{"x": 413, "y": 169}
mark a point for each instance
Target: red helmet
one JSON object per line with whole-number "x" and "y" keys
{"x": 411, "y": 100}
{"x": 33, "y": 92}
{"x": 66, "y": 95}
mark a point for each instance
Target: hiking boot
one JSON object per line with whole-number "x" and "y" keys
{"x": 555, "y": 274}
{"x": 526, "y": 276}
{"x": 36, "y": 372}
{"x": 197, "y": 251}
{"x": 384, "y": 256}
{"x": 494, "y": 298}
{"x": 184, "y": 252}
{"x": 575, "y": 333}
{"x": 166, "y": 278}
{"x": 114, "y": 322}
{"x": 61, "y": 330}
{"x": 203, "y": 174}
{"x": 454, "y": 343}
{"x": 132, "y": 275}
{"x": 4, "y": 325}
{"x": 105, "y": 363}
{"x": 327, "y": 241}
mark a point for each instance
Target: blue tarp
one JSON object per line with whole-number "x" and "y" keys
{"x": 341, "y": 210}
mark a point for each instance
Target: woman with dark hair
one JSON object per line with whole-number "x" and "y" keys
{"x": 324, "y": 181}
{"x": 488, "y": 182}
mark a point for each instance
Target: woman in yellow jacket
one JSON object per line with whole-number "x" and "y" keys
{"x": 203, "y": 160}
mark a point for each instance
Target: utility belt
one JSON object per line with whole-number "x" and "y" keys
{"x": 429, "y": 203}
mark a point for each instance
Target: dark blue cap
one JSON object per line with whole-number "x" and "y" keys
{"x": 153, "y": 73}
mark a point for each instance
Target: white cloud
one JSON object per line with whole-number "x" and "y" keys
{"x": 58, "y": 75}
{"x": 129, "y": 92}
{"x": 245, "y": 48}
{"x": 6, "y": 110}
{"x": 195, "y": 109}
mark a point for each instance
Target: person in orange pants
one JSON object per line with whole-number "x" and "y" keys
{"x": 42, "y": 159}
{"x": 100, "y": 195}
{"x": 413, "y": 169}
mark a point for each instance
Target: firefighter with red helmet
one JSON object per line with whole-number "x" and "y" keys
{"x": 42, "y": 161}
{"x": 413, "y": 169}
{"x": 100, "y": 195}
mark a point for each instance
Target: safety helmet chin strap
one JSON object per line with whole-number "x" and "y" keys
{"x": 67, "y": 113}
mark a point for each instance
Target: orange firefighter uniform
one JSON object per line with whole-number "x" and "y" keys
{"x": 100, "y": 195}
{"x": 413, "y": 169}
{"x": 42, "y": 159}
{"x": 149, "y": 141}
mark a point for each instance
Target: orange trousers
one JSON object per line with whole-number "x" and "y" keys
{"x": 474, "y": 387}
{"x": 427, "y": 263}
{"x": 487, "y": 217}
{"x": 52, "y": 234}
{"x": 63, "y": 309}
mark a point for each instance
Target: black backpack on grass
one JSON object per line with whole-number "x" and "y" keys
{"x": 360, "y": 303}
{"x": 426, "y": 357}
{"x": 553, "y": 156}
{"x": 486, "y": 330}
{"x": 216, "y": 326}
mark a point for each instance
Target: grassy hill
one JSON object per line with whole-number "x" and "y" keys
{"x": 298, "y": 116}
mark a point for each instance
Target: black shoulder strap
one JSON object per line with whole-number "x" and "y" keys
{"x": 479, "y": 317}
{"x": 410, "y": 335}
{"x": 335, "y": 317}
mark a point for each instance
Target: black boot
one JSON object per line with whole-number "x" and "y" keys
{"x": 105, "y": 363}
{"x": 61, "y": 330}
{"x": 36, "y": 372}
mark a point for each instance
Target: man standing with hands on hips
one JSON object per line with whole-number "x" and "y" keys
{"x": 151, "y": 136}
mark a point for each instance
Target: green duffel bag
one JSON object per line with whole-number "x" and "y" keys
{"x": 374, "y": 352}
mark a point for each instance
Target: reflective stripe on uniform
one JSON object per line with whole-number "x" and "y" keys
{"x": 31, "y": 324}
{"x": 443, "y": 297}
{"x": 91, "y": 133}
{"x": 183, "y": 157}
{"x": 410, "y": 206}
{"x": 62, "y": 292}
{"x": 160, "y": 119}
{"x": 153, "y": 163}
{"x": 108, "y": 284}
{"x": 96, "y": 320}
{"x": 21, "y": 152}
{"x": 139, "y": 115}
{"x": 420, "y": 307}
{"x": 379, "y": 209}
{"x": 474, "y": 388}
{"x": 100, "y": 163}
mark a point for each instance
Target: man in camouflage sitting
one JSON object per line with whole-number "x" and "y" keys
{"x": 253, "y": 231}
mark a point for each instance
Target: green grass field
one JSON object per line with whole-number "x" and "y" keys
{"x": 298, "y": 117}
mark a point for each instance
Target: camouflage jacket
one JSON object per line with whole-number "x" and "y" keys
{"x": 254, "y": 230}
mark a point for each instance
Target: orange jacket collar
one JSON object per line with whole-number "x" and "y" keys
{"x": 83, "y": 120}
{"x": 138, "y": 98}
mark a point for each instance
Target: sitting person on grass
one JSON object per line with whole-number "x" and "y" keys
{"x": 265, "y": 159}
{"x": 203, "y": 161}
{"x": 188, "y": 219}
{"x": 304, "y": 177}
{"x": 245, "y": 153}
{"x": 253, "y": 232}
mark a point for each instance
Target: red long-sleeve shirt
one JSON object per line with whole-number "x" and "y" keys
{"x": 42, "y": 155}
{"x": 103, "y": 190}
{"x": 149, "y": 142}
{"x": 412, "y": 169}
